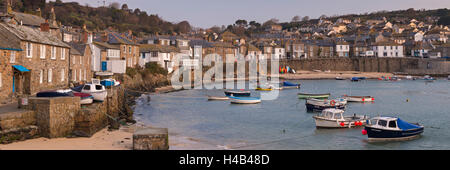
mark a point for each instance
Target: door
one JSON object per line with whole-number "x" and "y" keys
{"x": 104, "y": 66}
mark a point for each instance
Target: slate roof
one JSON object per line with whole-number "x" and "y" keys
{"x": 14, "y": 33}
{"x": 29, "y": 19}
{"x": 157, "y": 47}
{"x": 77, "y": 48}
{"x": 202, "y": 43}
{"x": 105, "y": 46}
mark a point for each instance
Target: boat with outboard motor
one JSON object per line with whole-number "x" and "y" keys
{"x": 245, "y": 100}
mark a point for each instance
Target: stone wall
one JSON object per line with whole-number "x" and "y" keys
{"x": 6, "y": 74}
{"x": 390, "y": 65}
{"x": 55, "y": 117}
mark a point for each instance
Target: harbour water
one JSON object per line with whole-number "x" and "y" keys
{"x": 284, "y": 124}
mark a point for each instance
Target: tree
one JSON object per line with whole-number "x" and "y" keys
{"x": 296, "y": 19}
{"x": 305, "y": 18}
{"x": 124, "y": 7}
{"x": 241, "y": 22}
{"x": 183, "y": 27}
{"x": 323, "y": 16}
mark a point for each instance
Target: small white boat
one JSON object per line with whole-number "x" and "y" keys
{"x": 218, "y": 98}
{"x": 98, "y": 91}
{"x": 245, "y": 100}
{"x": 359, "y": 98}
{"x": 409, "y": 77}
{"x": 334, "y": 118}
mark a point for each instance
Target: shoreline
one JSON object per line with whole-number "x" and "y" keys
{"x": 121, "y": 139}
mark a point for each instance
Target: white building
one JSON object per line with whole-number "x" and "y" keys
{"x": 279, "y": 53}
{"x": 161, "y": 54}
{"x": 342, "y": 49}
{"x": 387, "y": 49}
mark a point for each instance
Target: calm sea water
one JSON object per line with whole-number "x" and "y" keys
{"x": 284, "y": 124}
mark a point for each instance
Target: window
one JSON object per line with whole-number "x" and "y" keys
{"x": 87, "y": 87}
{"x": 396, "y": 54}
{"x": 62, "y": 75}
{"x": 154, "y": 54}
{"x": 29, "y": 50}
{"x": 337, "y": 116}
{"x": 392, "y": 124}
{"x": 382, "y": 123}
{"x": 53, "y": 56}
{"x": 63, "y": 53}
{"x": 124, "y": 49}
{"x": 74, "y": 75}
{"x": 385, "y": 48}
{"x": 129, "y": 50}
{"x": 385, "y": 54}
{"x": 12, "y": 57}
{"x": 50, "y": 74}
{"x": 98, "y": 87}
{"x": 42, "y": 51}
{"x": 41, "y": 77}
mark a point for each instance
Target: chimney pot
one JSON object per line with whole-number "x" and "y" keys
{"x": 45, "y": 27}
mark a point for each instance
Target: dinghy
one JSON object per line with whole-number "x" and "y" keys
{"x": 391, "y": 129}
{"x": 237, "y": 93}
{"x": 359, "y": 98}
{"x": 109, "y": 82}
{"x": 340, "y": 78}
{"x": 264, "y": 89}
{"x": 288, "y": 85}
{"x": 98, "y": 91}
{"x": 245, "y": 100}
{"x": 217, "y": 98}
{"x": 315, "y": 96}
{"x": 334, "y": 118}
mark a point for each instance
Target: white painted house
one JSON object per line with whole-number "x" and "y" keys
{"x": 342, "y": 49}
{"x": 387, "y": 49}
{"x": 161, "y": 54}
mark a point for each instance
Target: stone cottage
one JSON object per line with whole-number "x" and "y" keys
{"x": 43, "y": 62}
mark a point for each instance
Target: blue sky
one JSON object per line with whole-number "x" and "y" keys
{"x": 207, "y": 13}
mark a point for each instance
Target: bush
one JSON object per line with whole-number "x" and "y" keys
{"x": 131, "y": 71}
{"x": 155, "y": 68}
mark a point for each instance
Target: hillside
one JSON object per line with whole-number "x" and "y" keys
{"x": 115, "y": 15}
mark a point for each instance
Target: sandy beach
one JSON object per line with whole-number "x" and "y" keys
{"x": 103, "y": 140}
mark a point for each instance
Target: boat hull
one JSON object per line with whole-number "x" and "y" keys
{"x": 237, "y": 94}
{"x": 217, "y": 98}
{"x": 319, "y": 108}
{"x": 237, "y": 100}
{"x": 323, "y": 123}
{"x": 88, "y": 100}
{"x": 98, "y": 95}
{"x": 262, "y": 89}
{"x": 360, "y": 99}
{"x": 319, "y": 96}
{"x": 377, "y": 134}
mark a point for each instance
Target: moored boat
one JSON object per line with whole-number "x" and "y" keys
{"x": 245, "y": 100}
{"x": 315, "y": 96}
{"x": 98, "y": 91}
{"x": 218, "y": 98}
{"x": 238, "y": 93}
{"x": 340, "y": 78}
{"x": 391, "y": 129}
{"x": 109, "y": 82}
{"x": 263, "y": 89}
{"x": 359, "y": 98}
{"x": 290, "y": 85}
{"x": 334, "y": 118}
{"x": 313, "y": 105}
{"x": 428, "y": 78}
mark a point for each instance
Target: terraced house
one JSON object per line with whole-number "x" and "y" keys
{"x": 129, "y": 49}
{"x": 38, "y": 60}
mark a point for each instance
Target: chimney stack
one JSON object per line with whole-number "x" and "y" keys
{"x": 105, "y": 37}
{"x": 45, "y": 27}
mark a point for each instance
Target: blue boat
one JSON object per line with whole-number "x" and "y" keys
{"x": 391, "y": 129}
{"x": 287, "y": 84}
{"x": 358, "y": 78}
